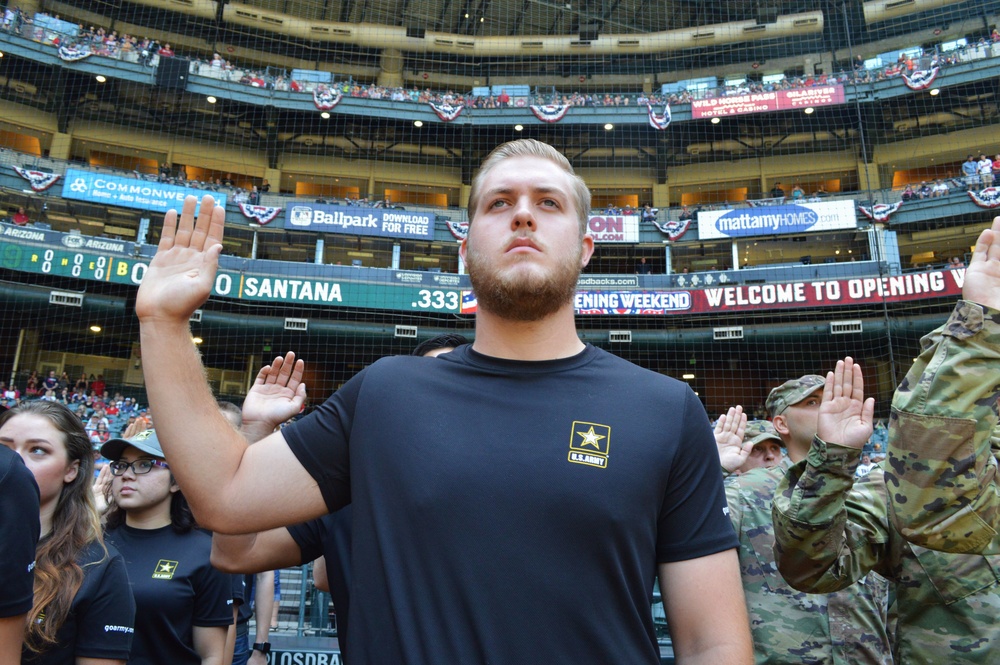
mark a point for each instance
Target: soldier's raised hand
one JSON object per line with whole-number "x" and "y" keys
{"x": 181, "y": 275}
{"x": 845, "y": 416}
{"x": 982, "y": 277}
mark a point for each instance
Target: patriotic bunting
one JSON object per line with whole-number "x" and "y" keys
{"x": 758, "y": 203}
{"x": 987, "y": 198}
{"x": 921, "y": 79}
{"x": 659, "y": 122}
{"x": 325, "y": 99}
{"x": 674, "y": 229}
{"x": 259, "y": 214}
{"x": 39, "y": 180}
{"x": 550, "y": 113}
{"x": 446, "y": 112}
{"x": 880, "y": 212}
{"x": 460, "y": 230}
{"x": 72, "y": 53}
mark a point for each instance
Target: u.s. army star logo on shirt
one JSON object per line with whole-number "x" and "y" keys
{"x": 589, "y": 444}
{"x": 164, "y": 570}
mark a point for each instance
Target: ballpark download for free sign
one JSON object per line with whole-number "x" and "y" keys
{"x": 129, "y": 192}
{"x": 384, "y": 222}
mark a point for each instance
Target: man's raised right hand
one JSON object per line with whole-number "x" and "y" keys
{"x": 181, "y": 275}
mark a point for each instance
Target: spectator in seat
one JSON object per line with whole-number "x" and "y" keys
{"x": 643, "y": 268}
{"x": 924, "y": 191}
{"x": 797, "y": 193}
{"x": 970, "y": 172}
{"x": 21, "y": 218}
{"x": 777, "y": 192}
{"x": 908, "y": 194}
{"x": 985, "y": 171}
{"x": 939, "y": 188}
{"x": 821, "y": 192}
{"x": 165, "y": 51}
{"x": 865, "y": 467}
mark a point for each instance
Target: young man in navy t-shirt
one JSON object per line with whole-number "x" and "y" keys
{"x": 512, "y": 500}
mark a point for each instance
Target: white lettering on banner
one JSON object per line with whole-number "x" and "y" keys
{"x": 296, "y": 289}
{"x": 343, "y": 220}
{"x": 862, "y": 288}
{"x": 307, "y": 658}
{"x": 26, "y": 235}
{"x": 138, "y": 189}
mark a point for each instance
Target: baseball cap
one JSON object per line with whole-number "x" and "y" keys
{"x": 144, "y": 441}
{"x": 760, "y": 430}
{"x": 792, "y": 392}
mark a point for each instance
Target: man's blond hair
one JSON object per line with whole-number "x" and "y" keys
{"x": 533, "y": 148}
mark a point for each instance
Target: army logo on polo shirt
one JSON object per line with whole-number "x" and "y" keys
{"x": 589, "y": 444}
{"x": 164, "y": 570}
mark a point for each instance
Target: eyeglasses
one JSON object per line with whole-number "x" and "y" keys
{"x": 139, "y": 467}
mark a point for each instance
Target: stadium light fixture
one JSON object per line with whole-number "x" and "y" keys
{"x": 935, "y": 92}
{"x": 418, "y": 123}
{"x": 324, "y": 115}
{"x": 809, "y": 110}
{"x": 518, "y": 128}
{"x": 1, "y": 54}
{"x": 197, "y": 340}
{"x": 716, "y": 121}
{"x": 687, "y": 377}
{"x": 211, "y": 100}
{"x": 95, "y": 329}
{"x": 100, "y": 78}
{"x": 609, "y": 127}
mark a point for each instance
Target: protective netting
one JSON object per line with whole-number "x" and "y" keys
{"x": 776, "y": 184}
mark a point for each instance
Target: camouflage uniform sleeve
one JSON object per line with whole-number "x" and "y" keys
{"x": 942, "y": 468}
{"x": 829, "y": 532}
{"x": 732, "y": 485}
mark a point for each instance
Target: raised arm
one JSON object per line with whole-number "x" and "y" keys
{"x": 829, "y": 532}
{"x": 231, "y": 489}
{"x": 729, "y": 431}
{"x": 942, "y": 471}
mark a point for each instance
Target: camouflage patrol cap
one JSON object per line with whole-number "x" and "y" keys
{"x": 792, "y": 392}
{"x": 760, "y": 430}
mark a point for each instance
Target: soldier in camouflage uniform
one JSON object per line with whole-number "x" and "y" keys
{"x": 789, "y": 626}
{"x": 943, "y": 437}
{"x": 831, "y": 531}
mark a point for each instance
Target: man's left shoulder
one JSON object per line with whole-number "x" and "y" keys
{"x": 629, "y": 371}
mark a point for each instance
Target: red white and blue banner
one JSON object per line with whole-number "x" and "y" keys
{"x": 260, "y": 214}
{"x": 659, "y": 122}
{"x": 446, "y": 112}
{"x": 458, "y": 230}
{"x": 674, "y": 229}
{"x": 880, "y": 212}
{"x": 921, "y": 79}
{"x": 986, "y": 198}
{"x": 72, "y": 53}
{"x": 39, "y": 180}
{"x": 325, "y": 99}
{"x": 550, "y": 113}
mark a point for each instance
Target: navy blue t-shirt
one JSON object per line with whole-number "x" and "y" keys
{"x": 513, "y": 512}
{"x": 175, "y": 589}
{"x": 19, "y": 532}
{"x": 101, "y": 620}
{"x": 330, "y": 537}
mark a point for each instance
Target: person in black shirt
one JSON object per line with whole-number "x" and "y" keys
{"x": 184, "y": 605}
{"x": 18, "y": 539}
{"x": 505, "y": 507}
{"x": 82, "y": 608}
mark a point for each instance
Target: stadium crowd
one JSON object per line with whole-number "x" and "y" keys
{"x": 108, "y": 43}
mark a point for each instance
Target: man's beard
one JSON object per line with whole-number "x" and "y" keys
{"x": 525, "y": 296}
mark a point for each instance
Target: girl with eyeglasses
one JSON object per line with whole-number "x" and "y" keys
{"x": 83, "y": 610}
{"x": 184, "y": 606}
